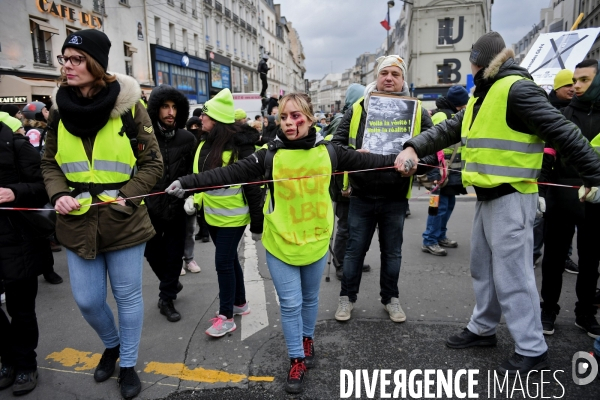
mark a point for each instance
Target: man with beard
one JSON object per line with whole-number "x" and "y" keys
{"x": 168, "y": 109}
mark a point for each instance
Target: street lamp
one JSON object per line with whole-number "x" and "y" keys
{"x": 390, "y": 4}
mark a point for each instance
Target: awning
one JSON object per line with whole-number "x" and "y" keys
{"x": 16, "y": 86}
{"x": 44, "y": 26}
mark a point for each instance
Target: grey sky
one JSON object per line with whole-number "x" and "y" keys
{"x": 335, "y": 32}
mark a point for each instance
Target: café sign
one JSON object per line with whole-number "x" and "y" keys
{"x": 68, "y": 13}
{"x": 13, "y": 99}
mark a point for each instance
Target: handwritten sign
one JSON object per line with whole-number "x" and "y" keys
{"x": 552, "y": 52}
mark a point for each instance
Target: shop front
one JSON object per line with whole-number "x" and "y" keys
{"x": 186, "y": 73}
{"x": 220, "y": 72}
{"x": 243, "y": 80}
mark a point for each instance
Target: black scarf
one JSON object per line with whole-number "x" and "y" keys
{"x": 307, "y": 142}
{"x": 84, "y": 117}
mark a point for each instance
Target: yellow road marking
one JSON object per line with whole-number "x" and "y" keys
{"x": 83, "y": 361}
{"x": 71, "y": 357}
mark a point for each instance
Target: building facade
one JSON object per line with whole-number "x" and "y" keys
{"x": 33, "y": 32}
{"x": 197, "y": 46}
{"x": 436, "y": 39}
{"x": 176, "y": 48}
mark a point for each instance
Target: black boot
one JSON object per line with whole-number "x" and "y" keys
{"x": 106, "y": 366}
{"x": 309, "y": 352}
{"x": 468, "y": 339}
{"x": 295, "y": 379}
{"x": 339, "y": 273}
{"x": 53, "y": 278}
{"x": 522, "y": 364}
{"x": 168, "y": 309}
{"x": 129, "y": 382}
{"x": 24, "y": 383}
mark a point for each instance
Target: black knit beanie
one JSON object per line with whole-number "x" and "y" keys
{"x": 11, "y": 109}
{"x": 93, "y": 42}
{"x": 486, "y": 48}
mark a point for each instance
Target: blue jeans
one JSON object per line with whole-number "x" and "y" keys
{"x": 88, "y": 284}
{"x": 436, "y": 225}
{"x": 364, "y": 215}
{"x": 229, "y": 271}
{"x": 298, "y": 291}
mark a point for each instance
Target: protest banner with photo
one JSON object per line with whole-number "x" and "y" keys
{"x": 552, "y": 52}
{"x": 390, "y": 123}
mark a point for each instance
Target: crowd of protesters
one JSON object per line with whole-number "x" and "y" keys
{"x": 102, "y": 141}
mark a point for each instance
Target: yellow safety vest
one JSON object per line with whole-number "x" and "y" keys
{"x": 226, "y": 207}
{"x": 113, "y": 161}
{"x": 493, "y": 153}
{"x": 596, "y": 143}
{"x": 299, "y": 224}
{"x": 355, "y": 123}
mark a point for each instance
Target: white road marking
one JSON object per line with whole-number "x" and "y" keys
{"x": 255, "y": 291}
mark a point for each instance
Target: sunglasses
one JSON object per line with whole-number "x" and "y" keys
{"x": 75, "y": 60}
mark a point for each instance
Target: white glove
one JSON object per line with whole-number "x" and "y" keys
{"x": 189, "y": 206}
{"x": 175, "y": 189}
{"x": 256, "y": 236}
{"x": 541, "y": 208}
{"x": 592, "y": 197}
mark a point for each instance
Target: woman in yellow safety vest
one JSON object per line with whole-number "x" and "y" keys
{"x": 298, "y": 217}
{"x": 226, "y": 211}
{"x": 100, "y": 148}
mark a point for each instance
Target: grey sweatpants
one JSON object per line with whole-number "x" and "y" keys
{"x": 502, "y": 271}
{"x": 188, "y": 250}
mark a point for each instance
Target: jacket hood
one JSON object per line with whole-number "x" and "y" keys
{"x": 32, "y": 123}
{"x": 354, "y": 92}
{"x": 583, "y": 105}
{"x": 246, "y": 135}
{"x": 129, "y": 94}
{"x": 164, "y": 93}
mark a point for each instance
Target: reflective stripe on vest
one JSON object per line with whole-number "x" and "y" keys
{"x": 112, "y": 160}
{"x": 493, "y": 153}
{"x": 298, "y": 226}
{"x": 224, "y": 207}
{"x": 355, "y": 124}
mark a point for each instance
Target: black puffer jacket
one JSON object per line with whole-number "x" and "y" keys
{"x": 243, "y": 145}
{"x": 378, "y": 184}
{"x": 454, "y": 187}
{"x": 21, "y": 256}
{"x": 269, "y": 131}
{"x": 586, "y": 116}
{"x": 177, "y": 153}
{"x": 528, "y": 111}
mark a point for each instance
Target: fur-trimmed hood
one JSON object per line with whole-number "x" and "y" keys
{"x": 163, "y": 93}
{"x": 32, "y": 123}
{"x": 129, "y": 94}
{"x": 497, "y": 62}
{"x": 246, "y": 135}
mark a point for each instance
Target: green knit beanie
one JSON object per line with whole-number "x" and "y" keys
{"x": 13, "y": 123}
{"x": 220, "y": 108}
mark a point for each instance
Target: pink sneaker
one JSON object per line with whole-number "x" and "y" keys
{"x": 193, "y": 267}
{"x": 221, "y": 326}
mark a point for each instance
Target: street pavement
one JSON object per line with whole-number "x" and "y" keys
{"x": 179, "y": 361}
